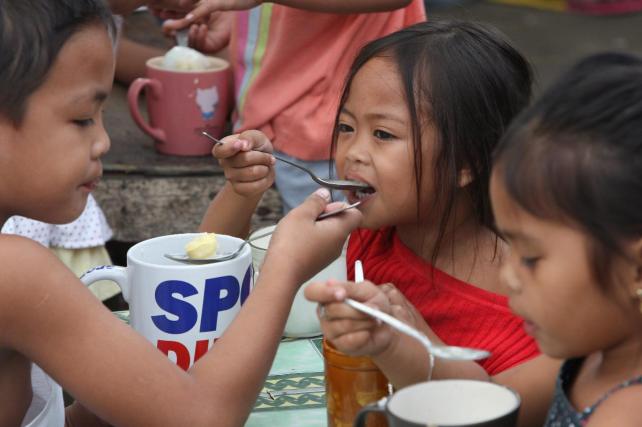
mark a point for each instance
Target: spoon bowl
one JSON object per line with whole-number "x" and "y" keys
{"x": 217, "y": 257}
{"x": 231, "y": 255}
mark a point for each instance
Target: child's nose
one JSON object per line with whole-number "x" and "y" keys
{"x": 358, "y": 151}
{"x": 101, "y": 144}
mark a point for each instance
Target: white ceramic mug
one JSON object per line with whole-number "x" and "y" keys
{"x": 302, "y": 320}
{"x": 453, "y": 403}
{"x": 182, "y": 309}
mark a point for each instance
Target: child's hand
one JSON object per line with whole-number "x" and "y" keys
{"x": 247, "y": 162}
{"x": 301, "y": 245}
{"x": 350, "y": 330}
{"x": 211, "y": 35}
{"x": 401, "y": 308}
{"x": 209, "y": 23}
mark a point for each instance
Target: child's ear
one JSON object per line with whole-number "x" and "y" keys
{"x": 637, "y": 254}
{"x": 634, "y": 271}
{"x": 465, "y": 178}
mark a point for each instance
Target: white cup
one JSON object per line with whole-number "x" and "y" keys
{"x": 182, "y": 309}
{"x": 302, "y": 320}
{"x": 460, "y": 403}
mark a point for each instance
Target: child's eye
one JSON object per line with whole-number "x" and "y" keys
{"x": 344, "y": 128}
{"x": 382, "y": 134}
{"x": 84, "y": 122}
{"x": 529, "y": 262}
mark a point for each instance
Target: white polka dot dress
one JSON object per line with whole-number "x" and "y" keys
{"x": 89, "y": 230}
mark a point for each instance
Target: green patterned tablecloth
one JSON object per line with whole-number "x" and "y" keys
{"x": 294, "y": 391}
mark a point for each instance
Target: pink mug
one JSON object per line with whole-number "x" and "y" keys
{"x": 182, "y": 104}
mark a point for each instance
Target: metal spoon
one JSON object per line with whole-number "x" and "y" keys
{"x": 335, "y": 184}
{"x": 218, "y": 258}
{"x": 231, "y": 255}
{"x": 182, "y": 37}
{"x": 442, "y": 351}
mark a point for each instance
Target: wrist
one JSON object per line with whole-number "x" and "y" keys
{"x": 278, "y": 272}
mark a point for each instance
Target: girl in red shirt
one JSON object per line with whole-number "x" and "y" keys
{"x": 420, "y": 115}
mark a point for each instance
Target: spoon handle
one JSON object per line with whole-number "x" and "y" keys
{"x": 338, "y": 211}
{"x": 358, "y": 271}
{"x": 306, "y": 170}
{"x": 386, "y": 318}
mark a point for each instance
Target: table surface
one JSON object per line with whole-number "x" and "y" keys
{"x": 294, "y": 391}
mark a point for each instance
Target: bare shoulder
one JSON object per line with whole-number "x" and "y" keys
{"x": 29, "y": 273}
{"x": 622, "y": 408}
{"x": 21, "y": 261}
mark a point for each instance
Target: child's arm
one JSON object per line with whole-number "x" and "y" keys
{"x": 126, "y": 6}
{"x": 405, "y": 361}
{"x": 198, "y": 36}
{"x": 248, "y": 165}
{"x": 47, "y": 315}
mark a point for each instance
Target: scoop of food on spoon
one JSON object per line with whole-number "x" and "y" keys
{"x": 196, "y": 256}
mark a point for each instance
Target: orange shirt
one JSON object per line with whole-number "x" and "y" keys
{"x": 290, "y": 65}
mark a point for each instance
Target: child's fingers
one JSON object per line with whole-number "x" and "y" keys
{"x": 368, "y": 293}
{"x": 192, "y": 36}
{"x": 171, "y": 25}
{"x": 393, "y": 294}
{"x": 248, "y": 159}
{"x": 336, "y": 311}
{"x": 201, "y": 37}
{"x": 246, "y": 174}
{"x": 254, "y": 187}
{"x": 353, "y": 342}
{"x": 230, "y": 147}
{"x": 325, "y": 292}
{"x": 257, "y": 139}
{"x": 201, "y": 11}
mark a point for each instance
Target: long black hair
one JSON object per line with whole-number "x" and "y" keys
{"x": 467, "y": 80}
{"x": 575, "y": 156}
{"x": 32, "y": 33}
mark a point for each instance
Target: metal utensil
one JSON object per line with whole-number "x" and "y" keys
{"x": 217, "y": 258}
{"x": 358, "y": 271}
{"x": 182, "y": 37}
{"x": 338, "y": 211}
{"x": 442, "y": 351}
{"x": 334, "y": 184}
{"x": 231, "y": 255}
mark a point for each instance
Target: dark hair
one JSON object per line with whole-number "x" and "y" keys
{"x": 467, "y": 80}
{"x": 32, "y": 33}
{"x": 575, "y": 156}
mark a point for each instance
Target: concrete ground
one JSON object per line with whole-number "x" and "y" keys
{"x": 551, "y": 40}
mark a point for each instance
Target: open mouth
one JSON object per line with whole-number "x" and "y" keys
{"x": 361, "y": 194}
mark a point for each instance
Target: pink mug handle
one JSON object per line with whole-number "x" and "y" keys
{"x": 132, "y": 97}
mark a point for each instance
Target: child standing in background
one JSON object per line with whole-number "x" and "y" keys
{"x": 288, "y": 59}
{"x": 421, "y": 112}
{"x": 566, "y": 189}
{"x": 56, "y": 70}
